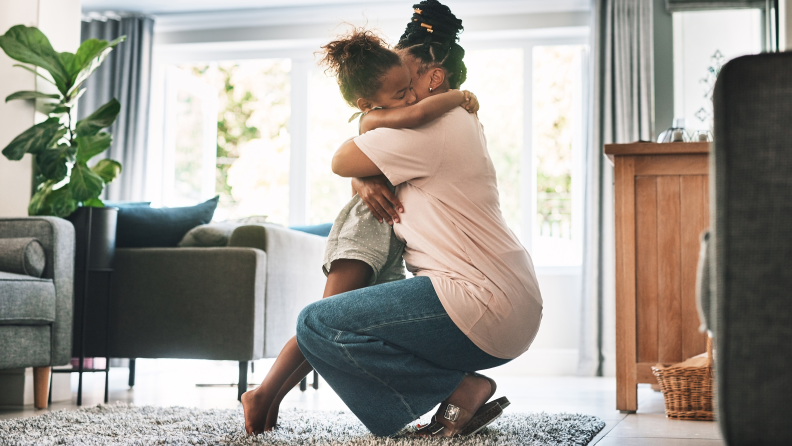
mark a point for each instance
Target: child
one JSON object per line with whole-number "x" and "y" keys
{"x": 361, "y": 251}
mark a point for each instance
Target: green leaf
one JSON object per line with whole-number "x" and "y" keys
{"x": 52, "y": 163}
{"x": 29, "y": 45}
{"x": 107, "y": 169}
{"x": 47, "y": 201}
{"x": 31, "y": 95}
{"x": 34, "y": 71}
{"x": 33, "y": 140}
{"x": 90, "y": 146}
{"x": 94, "y": 203}
{"x": 84, "y": 184}
{"x": 89, "y": 56}
{"x": 51, "y": 108}
{"x": 103, "y": 117}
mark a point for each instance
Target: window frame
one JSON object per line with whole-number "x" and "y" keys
{"x": 301, "y": 54}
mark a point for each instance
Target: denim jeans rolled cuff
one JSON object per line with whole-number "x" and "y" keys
{"x": 390, "y": 351}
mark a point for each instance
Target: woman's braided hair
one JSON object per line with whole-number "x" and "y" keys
{"x": 431, "y": 37}
{"x": 358, "y": 60}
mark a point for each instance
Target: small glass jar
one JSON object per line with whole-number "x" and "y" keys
{"x": 702, "y": 136}
{"x": 676, "y": 133}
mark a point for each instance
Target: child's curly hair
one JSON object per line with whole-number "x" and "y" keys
{"x": 358, "y": 60}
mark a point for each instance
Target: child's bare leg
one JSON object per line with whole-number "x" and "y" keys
{"x": 345, "y": 275}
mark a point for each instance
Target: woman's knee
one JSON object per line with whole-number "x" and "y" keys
{"x": 308, "y": 322}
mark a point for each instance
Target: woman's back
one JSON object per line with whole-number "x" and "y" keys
{"x": 454, "y": 229}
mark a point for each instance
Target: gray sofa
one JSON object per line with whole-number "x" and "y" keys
{"x": 237, "y": 303}
{"x": 747, "y": 279}
{"x": 36, "y": 312}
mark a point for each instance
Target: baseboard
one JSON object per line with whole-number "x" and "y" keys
{"x": 542, "y": 362}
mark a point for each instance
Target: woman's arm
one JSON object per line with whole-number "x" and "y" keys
{"x": 421, "y": 113}
{"x": 350, "y": 161}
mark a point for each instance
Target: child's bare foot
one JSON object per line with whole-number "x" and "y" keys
{"x": 255, "y": 408}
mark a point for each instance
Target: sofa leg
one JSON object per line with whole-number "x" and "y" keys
{"x": 315, "y": 384}
{"x": 41, "y": 386}
{"x": 243, "y": 375}
{"x": 304, "y": 384}
{"x": 131, "y": 372}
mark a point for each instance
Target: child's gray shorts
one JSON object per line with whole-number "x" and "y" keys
{"x": 356, "y": 234}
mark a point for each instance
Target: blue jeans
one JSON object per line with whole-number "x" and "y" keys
{"x": 389, "y": 351}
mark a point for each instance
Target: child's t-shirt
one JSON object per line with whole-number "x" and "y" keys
{"x": 455, "y": 232}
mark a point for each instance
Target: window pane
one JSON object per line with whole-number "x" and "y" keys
{"x": 252, "y": 137}
{"x": 496, "y": 78}
{"x": 556, "y": 90}
{"x": 703, "y": 42}
{"x": 188, "y": 149}
{"x": 328, "y": 114}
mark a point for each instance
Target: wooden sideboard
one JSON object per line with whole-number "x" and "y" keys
{"x": 661, "y": 208}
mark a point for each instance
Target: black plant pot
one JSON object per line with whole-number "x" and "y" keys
{"x": 95, "y": 231}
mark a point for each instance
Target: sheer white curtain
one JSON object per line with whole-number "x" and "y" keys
{"x": 621, "y": 107}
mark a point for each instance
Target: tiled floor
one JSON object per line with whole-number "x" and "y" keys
{"x": 172, "y": 382}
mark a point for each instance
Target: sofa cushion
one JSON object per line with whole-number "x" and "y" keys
{"x": 207, "y": 236}
{"x": 26, "y": 300}
{"x": 145, "y": 227}
{"x": 22, "y": 255}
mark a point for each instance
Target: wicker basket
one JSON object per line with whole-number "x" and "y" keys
{"x": 687, "y": 387}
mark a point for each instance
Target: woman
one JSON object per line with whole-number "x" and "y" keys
{"x": 393, "y": 351}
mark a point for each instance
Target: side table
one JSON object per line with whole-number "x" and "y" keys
{"x": 95, "y": 231}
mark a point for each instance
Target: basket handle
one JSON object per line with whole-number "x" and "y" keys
{"x": 709, "y": 351}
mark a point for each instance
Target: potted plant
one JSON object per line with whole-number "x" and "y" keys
{"x": 66, "y": 186}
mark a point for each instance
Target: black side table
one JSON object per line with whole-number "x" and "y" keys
{"x": 95, "y": 231}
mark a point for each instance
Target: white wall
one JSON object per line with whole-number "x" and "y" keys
{"x": 60, "y": 21}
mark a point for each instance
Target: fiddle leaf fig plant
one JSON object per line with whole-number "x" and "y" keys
{"x": 62, "y": 149}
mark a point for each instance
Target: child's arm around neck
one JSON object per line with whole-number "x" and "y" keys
{"x": 421, "y": 113}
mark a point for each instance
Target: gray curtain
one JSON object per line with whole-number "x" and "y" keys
{"x": 126, "y": 76}
{"x": 621, "y": 106}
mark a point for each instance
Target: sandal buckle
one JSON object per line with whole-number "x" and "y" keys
{"x": 451, "y": 413}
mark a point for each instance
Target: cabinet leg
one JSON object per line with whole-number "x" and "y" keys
{"x": 627, "y": 396}
{"x": 41, "y": 386}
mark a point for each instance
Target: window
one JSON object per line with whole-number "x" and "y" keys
{"x": 531, "y": 111}
{"x": 249, "y": 154}
{"x": 703, "y": 42}
{"x": 277, "y": 120}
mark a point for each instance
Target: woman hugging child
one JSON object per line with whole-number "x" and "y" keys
{"x": 361, "y": 250}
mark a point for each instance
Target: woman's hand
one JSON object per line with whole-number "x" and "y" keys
{"x": 471, "y": 103}
{"x": 375, "y": 193}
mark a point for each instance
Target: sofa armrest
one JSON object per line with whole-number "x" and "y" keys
{"x": 56, "y": 235}
{"x": 294, "y": 276}
{"x": 199, "y": 303}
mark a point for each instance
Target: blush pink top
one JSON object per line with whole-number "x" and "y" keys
{"x": 455, "y": 232}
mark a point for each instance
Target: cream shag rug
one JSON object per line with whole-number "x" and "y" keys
{"x": 121, "y": 424}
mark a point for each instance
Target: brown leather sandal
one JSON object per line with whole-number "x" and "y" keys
{"x": 503, "y": 401}
{"x": 483, "y": 417}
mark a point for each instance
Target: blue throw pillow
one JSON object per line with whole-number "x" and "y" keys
{"x": 146, "y": 227}
{"x": 320, "y": 229}
{"x": 126, "y": 204}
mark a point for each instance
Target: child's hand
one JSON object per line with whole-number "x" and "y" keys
{"x": 471, "y": 103}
